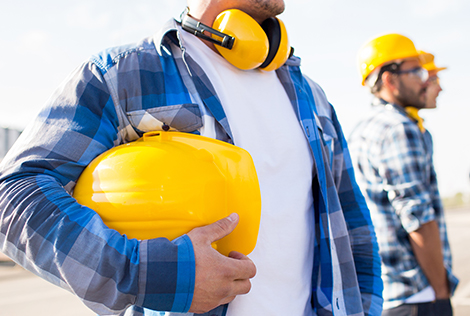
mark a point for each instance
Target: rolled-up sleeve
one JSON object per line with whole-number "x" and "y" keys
{"x": 406, "y": 173}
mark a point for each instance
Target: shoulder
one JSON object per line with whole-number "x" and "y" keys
{"x": 324, "y": 112}
{"x": 148, "y": 53}
{"x": 324, "y": 108}
{"x": 134, "y": 52}
{"x": 385, "y": 120}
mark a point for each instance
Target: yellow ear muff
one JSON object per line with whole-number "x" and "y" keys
{"x": 251, "y": 44}
{"x": 279, "y": 49}
{"x": 264, "y": 46}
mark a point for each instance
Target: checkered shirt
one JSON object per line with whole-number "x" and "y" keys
{"x": 114, "y": 98}
{"x": 395, "y": 171}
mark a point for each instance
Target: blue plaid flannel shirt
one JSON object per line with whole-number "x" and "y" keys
{"x": 395, "y": 170}
{"x": 114, "y": 98}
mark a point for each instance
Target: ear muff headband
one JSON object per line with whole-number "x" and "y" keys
{"x": 191, "y": 25}
{"x": 242, "y": 41}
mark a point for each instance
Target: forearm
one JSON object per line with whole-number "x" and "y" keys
{"x": 426, "y": 245}
{"x": 362, "y": 233}
{"x": 46, "y": 231}
{"x": 364, "y": 249}
{"x": 366, "y": 258}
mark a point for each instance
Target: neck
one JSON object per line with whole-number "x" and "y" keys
{"x": 205, "y": 13}
{"x": 388, "y": 97}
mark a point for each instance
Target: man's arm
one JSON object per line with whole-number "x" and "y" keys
{"x": 426, "y": 245}
{"x": 362, "y": 233}
{"x": 45, "y": 230}
{"x": 408, "y": 175}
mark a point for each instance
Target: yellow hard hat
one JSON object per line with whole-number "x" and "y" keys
{"x": 383, "y": 49}
{"x": 167, "y": 183}
{"x": 427, "y": 60}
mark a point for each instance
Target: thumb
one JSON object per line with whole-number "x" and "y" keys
{"x": 221, "y": 228}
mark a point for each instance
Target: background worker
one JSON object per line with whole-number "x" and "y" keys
{"x": 434, "y": 87}
{"x": 392, "y": 154}
{"x": 316, "y": 252}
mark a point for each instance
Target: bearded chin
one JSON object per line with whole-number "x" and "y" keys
{"x": 416, "y": 103}
{"x": 407, "y": 98}
{"x": 267, "y": 8}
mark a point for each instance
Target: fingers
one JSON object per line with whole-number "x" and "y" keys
{"x": 219, "y": 279}
{"x": 227, "y": 300}
{"x": 242, "y": 286}
{"x": 214, "y": 231}
{"x": 208, "y": 296}
{"x": 236, "y": 255}
{"x": 222, "y": 227}
{"x": 245, "y": 268}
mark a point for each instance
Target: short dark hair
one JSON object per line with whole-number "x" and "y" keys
{"x": 392, "y": 67}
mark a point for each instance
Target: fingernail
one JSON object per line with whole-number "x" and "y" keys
{"x": 232, "y": 217}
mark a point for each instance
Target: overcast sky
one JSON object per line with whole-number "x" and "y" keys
{"x": 43, "y": 41}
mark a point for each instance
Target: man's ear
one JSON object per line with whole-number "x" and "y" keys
{"x": 390, "y": 80}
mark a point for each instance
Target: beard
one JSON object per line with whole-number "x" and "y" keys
{"x": 263, "y": 9}
{"x": 408, "y": 97}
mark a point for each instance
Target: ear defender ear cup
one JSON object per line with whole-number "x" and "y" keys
{"x": 279, "y": 49}
{"x": 255, "y": 46}
{"x": 251, "y": 44}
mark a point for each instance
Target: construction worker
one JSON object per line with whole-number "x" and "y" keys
{"x": 316, "y": 252}
{"x": 392, "y": 156}
{"x": 434, "y": 87}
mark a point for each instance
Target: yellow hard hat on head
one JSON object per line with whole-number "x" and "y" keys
{"x": 167, "y": 183}
{"x": 384, "y": 49}
{"x": 427, "y": 60}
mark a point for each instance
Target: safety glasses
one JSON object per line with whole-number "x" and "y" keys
{"x": 419, "y": 72}
{"x": 434, "y": 80}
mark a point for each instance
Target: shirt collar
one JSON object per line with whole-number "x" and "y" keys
{"x": 169, "y": 32}
{"x": 411, "y": 114}
{"x": 391, "y": 106}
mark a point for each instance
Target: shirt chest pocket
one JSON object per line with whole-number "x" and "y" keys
{"x": 179, "y": 117}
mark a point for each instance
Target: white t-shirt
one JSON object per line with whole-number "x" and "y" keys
{"x": 264, "y": 123}
{"x": 423, "y": 296}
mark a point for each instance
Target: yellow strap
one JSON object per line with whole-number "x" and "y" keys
{"x": 413, "y": 113}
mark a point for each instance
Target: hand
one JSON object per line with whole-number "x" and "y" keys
{"x": 442, "y": 293}
{"x": 426, "y": 245}
{"x": 219, "y": 279}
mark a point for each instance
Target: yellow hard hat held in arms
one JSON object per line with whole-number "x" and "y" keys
{"x": 167, "y": 183}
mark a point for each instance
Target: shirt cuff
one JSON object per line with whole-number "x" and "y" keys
{"x": 167, "y": 272}
{"x": 414, "y": 219}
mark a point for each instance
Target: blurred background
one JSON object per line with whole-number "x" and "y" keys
{"x": 43, "y": 41}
